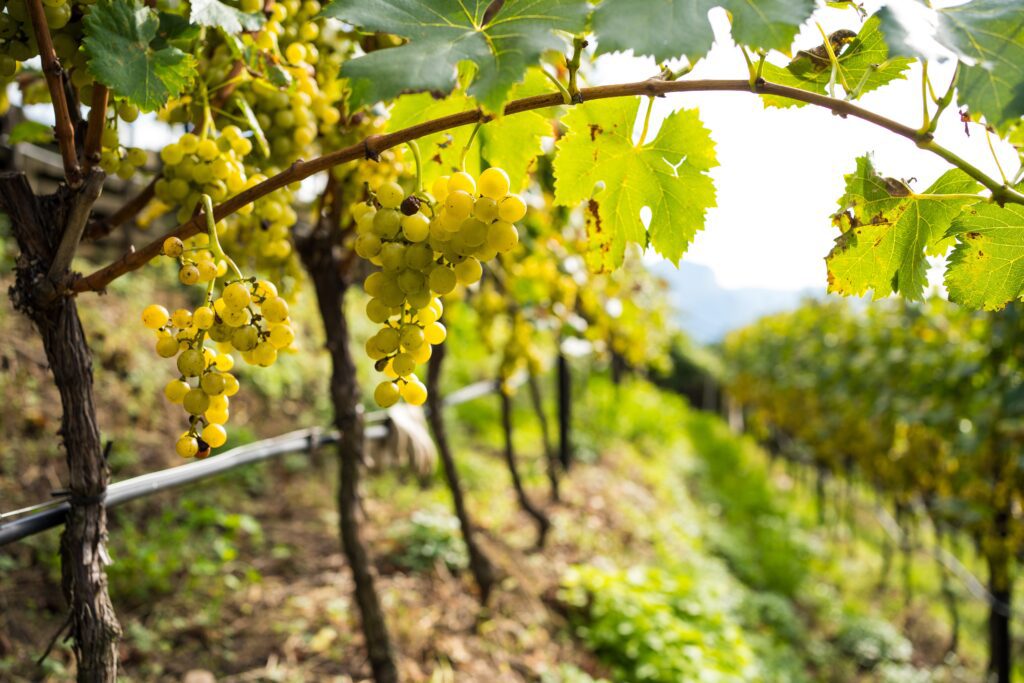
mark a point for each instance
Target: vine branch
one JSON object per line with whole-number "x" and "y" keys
{"x": 54, "y": 73}
{"x": 94, "y": 132}
{"x": 372, "y": 146}
{"x": 100, "y": 228}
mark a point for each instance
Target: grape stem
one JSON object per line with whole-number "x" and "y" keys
{"x": 419, "y": 164}
{"x": 300, "y": 170}
{"x": 94, "y": 132}
{"x": 647, "y": 122}
{"x": 54, "y": 74}
{"x": 211, "y": 230}
{"x": 469, "y": 143}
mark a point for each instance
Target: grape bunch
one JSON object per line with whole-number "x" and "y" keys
{"x": 426, "y": 245}
{"x": 119, "y": 160}
{"x": 248, "y": 317}
{"x": 197, "y": 165}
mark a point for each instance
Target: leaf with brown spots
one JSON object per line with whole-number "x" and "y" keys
{"x": 986, "y": 268}
{"x": 598, "y": 159}
{"x": 886, "y": 238}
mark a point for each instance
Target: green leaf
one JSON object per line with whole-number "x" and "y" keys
{"x": 863, "y": 64}
{"x": 513, "y": 142}
{"x": 597, "y": 160}
{"x": 888, "y": 231}
{"x": 31, "y": 131}
{"x": 253, "y": 123}
{"x": 218, "y": 15}
{"x": 987, "y": 36}
{"x": 666, "y": 29}
{"x": 119, "y": 37}
{"x": 444, "y": 33}
{"x": 663, "y": 30}
{"x": 440, "y": 151}
{"x": 986, "y": 268}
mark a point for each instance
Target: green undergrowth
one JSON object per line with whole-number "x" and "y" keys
{"x": 682, "y": 614}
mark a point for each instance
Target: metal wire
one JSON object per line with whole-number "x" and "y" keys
{"x": 52, "y": 513}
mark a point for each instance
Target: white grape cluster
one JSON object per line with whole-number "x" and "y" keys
{"x": 197, "y": 165}
{"x": 427, "y": 245}
{"x": 248, "y": 317}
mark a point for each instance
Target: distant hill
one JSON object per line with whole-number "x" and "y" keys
{"x": 708, "y": 311}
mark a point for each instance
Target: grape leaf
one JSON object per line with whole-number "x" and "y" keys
{"x": 444, "y": 33}
{"x": 598, "y": 160}
{"x": 440, "y": 151}
{"x": 864, "y": 64}
{"x": 987, "y": 36}
{"x": 31, "y": 131}
{"x": 887, "y": 231}
{"x": 511, "y": 142}
{"x": 119, "y": 37}
{"x": 986, "y": 268}
{"x": 217, "y": 14}
{"x": 666, "y": 29}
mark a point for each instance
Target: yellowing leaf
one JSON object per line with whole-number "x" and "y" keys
{"x": 598, "y": 160}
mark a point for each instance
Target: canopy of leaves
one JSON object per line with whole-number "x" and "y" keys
{"x": 986, "y": 268}
{"x": 674, "y": 28}
{"x": 444, "y": 33}
{"x": 987, "y": 36}
{"x": 599, "y": 160}
{"x": 862, "y": 66}
{"x": 217, "y": 14}
{"x": 888, "y": 231}
{"x": 127, "y": 55}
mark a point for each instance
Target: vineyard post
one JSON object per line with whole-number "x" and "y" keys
{"x": 479, "y": 564}
{"x": 564, "y": 410}
{"x": 527, "y": 505}
{"x": 319, "y": 256}
{"x": 47, "y": 230}
{"x": 550, "y": 458}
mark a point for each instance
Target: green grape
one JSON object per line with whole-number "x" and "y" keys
{"x": 386, "y": 394}
{"x": 236, "y": 295}
{"x": 275, "y": 310}
{"x": 494, "y": 183}
{"x": 416, "y": 227}
{"x": 155, "y": 316}
{"x": 502, "y": 236}
{"x": 167, "y": 347}
{"x": 245, "y": 338}
{"x": 191, "y": 363}
{"x": 390, "y": 195}
{"x": 512, "y": 208}
{"x": 387, "y": 339}
{"x": 414, "y": 392}
{"x": 462, "y": 182}
{"x": 215, "y": 435}
{"x": 411, "y": 337}
{"x": 386, "y": 223}
{"x": 458, "y": 205}
{"x": 392, "y": 256}
{"x": 403, "y": 364}
{"x": 469, "y": 271}
{"x": 442, "y": 279}
{"x": 212, "y": 383}
{"x": 196, "y": 402}
{"x": 186, "y": 446}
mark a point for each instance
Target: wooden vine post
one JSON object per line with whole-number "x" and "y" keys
{"x": 479, "y": 564}
{"x": 321, "y": 255}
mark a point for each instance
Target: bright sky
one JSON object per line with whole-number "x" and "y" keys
{"x": 781, "y": 171}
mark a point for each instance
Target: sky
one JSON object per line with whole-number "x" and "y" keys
{"x": 781, "y": 171}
